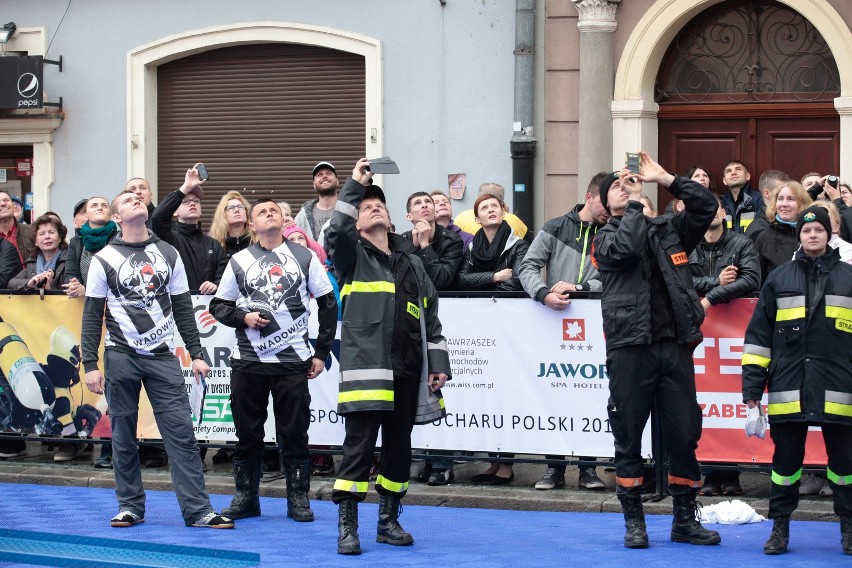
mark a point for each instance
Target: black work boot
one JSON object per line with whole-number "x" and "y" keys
{"x": 846, "y": 534}
{"x": 779, "y": 538}
{"x": 347, "y": 528}
{"x": 246, "y": 502}
{"x": 685, "y": 525}
{"x": 298, "y": 486}
{"x": 389, "y": 530}
{"x": 636, "y": 535}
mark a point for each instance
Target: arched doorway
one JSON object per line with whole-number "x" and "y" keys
{"x": 750, "y": 80}
{"x": 634, "y": 110}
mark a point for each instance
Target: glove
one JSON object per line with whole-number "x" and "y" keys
{"x": 755, "y": 424}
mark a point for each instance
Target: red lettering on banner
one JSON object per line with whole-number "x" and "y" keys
{"x": 183, "y": 356}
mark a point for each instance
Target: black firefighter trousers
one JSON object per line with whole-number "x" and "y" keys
{"x": 362, "y": 429}
{"x": 789, "y": 439}
{"x": 640, "y": 375}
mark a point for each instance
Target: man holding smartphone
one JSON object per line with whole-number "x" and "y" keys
{"x": 177, "y": 220}
{"x": 652, "y": 322}
{"x": 393, "y": 356}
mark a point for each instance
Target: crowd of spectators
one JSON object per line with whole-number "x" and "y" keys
{"x": 482, "y": 249}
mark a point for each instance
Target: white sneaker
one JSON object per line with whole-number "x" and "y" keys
{"x": 811, "y": 484}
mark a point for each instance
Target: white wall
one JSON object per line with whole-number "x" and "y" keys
{"x": 448, "y": 82}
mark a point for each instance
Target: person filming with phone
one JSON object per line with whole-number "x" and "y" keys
{"x": 177, "y": 220}
{"x": 652, "y": 322}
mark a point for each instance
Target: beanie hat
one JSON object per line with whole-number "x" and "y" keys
{"x": 604, "y": 186}
{"x": 816, "y": 213}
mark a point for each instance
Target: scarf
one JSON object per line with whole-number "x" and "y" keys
{"x": 42, "y": 264}
{"x": 94, "y": 239}
{"x": 788, "y": 223}
{"x": 485, "y": 256}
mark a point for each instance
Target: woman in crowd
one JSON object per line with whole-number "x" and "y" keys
{"x": 321, "y": 464}
{"x": 287, "y": 213}
{"x": 491, "y": 262}
{"x": 92, "y": 236}
{"x": 647, "y": 207}
{"x": 777, "y": 243}
{"x": 46, "y": 268}
{"x": 846, "y": 194}
{"x": 230, "y": 223}
{"x": 797, "y": 344}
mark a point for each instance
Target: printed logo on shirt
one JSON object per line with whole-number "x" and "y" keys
{"x": 140, "y": 278}
{"x": 679, "y": 258}
{"x": 273, "y": 282}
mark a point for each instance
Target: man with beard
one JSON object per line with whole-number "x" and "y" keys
{"x": 316, "y": 213}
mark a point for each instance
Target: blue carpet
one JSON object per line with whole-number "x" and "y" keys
{"x": 444, "y": 536}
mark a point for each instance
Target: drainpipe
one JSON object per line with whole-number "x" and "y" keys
{"x": 523, "y": 142}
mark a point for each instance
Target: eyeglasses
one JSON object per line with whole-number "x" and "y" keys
{"x": 191, "y": 202}
{"x": 239, "y": 207}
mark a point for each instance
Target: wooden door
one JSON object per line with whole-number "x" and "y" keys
{"x": 796, "y": 143}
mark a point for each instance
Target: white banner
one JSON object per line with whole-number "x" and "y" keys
{"x": 526, "y": 379}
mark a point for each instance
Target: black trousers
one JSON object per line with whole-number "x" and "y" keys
{"x": 362, "y": 429}
{"x": 639, "y": 376}
{"x": 291, "y": 404}
{"x": 789, "y": 439}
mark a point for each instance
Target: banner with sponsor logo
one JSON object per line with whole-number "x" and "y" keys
{"x": 526, "y": 379}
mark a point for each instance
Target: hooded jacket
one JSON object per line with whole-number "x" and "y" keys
{"x": 369, "y": 297}
{"x": 564, "y": 246}
{"x": 305, "y": 220}
{"x": 623, "y": 251}
{"x": 202, "y": 255}
{"x": 709, "y": 259}
{"x": 799, "y": 340}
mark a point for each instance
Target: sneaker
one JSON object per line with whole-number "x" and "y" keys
{"x": 126, "y": 519}
{"x": 425, "y": 473}
{"x": 551, "y": 479}
{"x": 104, "y": 461}
{"x": 68, "y": 452}
{"x": 811, "y": 484}
{"x": 213, "y": 521}
{"x": 441, "y": 477}
{"x": 731, "y": 486}
{"x": 826, "y": 490}
{"x": 12, "y": 448}
{"x": 712, "y": 486}
{"x": 590, "y": 480}
{"x": 224, "y": 455}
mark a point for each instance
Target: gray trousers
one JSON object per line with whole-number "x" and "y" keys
{"x": 125, "y": 374}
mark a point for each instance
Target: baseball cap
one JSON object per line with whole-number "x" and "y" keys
{"x": 324, "y": 166}
{"x": 374, "y": 192}
{"x": 80, "y": 204}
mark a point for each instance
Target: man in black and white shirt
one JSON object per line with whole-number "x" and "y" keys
{"x": 138, "y": 283}
{"x": 264, "y": 294}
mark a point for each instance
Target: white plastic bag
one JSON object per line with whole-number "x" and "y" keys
{"x": 755, "y": 424}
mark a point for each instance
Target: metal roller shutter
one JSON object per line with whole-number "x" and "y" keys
{"x": 260, "y": 117}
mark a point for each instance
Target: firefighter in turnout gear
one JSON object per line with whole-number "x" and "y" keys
{"x": 393, "y": 358}
{"x": 798, "y": 344}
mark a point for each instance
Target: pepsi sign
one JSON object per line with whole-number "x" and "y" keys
{"x": 21, "y": 84}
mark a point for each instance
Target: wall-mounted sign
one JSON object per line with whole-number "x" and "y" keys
{"x": 21, "y": 84}
{"x": 24, "y": 167}
{"x": 2, "y": 175}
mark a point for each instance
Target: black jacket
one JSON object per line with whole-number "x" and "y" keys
{"x": 233, "y": 245}
{"x": 799, "y": 340}
{"x": 19, "y": 281}
{"x": 760, "y": 224}
{"x": 10, "y": 262}
{"x": 749, "y": 206}
{"x": 512, "y": 257}
{"x": 442, "y": 257}
{"x": 775, "y": 246}
{"x": 75, "y": 252}
{"x": 202, "y": 256}
{"x": 708, "y": 259}
{"x": 623, "y": 251}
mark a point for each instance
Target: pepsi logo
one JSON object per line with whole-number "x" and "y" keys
{"x": 28, "y": 85}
